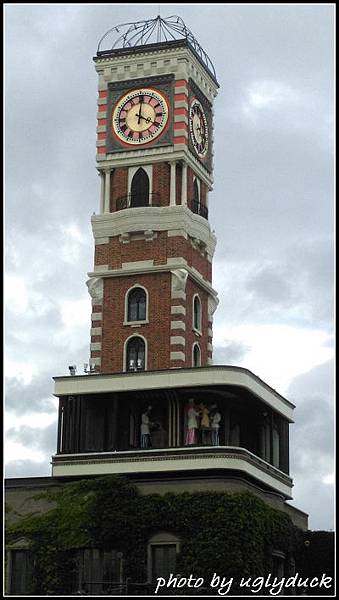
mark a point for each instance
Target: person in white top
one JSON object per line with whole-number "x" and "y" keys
{"x": 215, "y": 424}
{"x": 146, "y": 441}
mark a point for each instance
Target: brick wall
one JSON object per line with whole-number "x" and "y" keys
{"x": 156, "y": 331}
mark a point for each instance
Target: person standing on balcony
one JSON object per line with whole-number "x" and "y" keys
{"x": 215, "y": 424}
{"x": 146, "y": 441}
{"x": 192, "y": 423}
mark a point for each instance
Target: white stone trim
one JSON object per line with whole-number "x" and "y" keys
{"x": 177, "y": 233}
{"x": 179, "y": 61}
{"x": 173, "y": 460}
{"x": 178, "y": 310}
{"x": 181, "y": 104}
{"x": 178, "y": 325}
{"x": 137, "y": 264}
{"x": 177, "y": 356}
{"x": 177, "y": 340}
{"x": 97, "y": 316}
{"x": 218, "y": 375}
{"x": 209, "y": 347}
{"x": 178, "y": 295}
{"x": 96, "y": 361}
{"x": 167, "y": 218}
{"x": 210, "y": 332}
{"x": 180, "y": 119}
{"x": 95, "y": 346}
{"x": 101, "y": 241}
{"x": 178, "y": 152}
{"x": 95, "y": 287}
{"x": 100, "y": 268}
{"x": 180, "y": 89}
{"x": 96, "y": 331}
{"x": 209, "y": 360}
{"x": 180, "y": 133}
{"x": 101, "y": 115}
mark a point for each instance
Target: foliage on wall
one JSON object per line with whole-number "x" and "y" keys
{"x": 233, "y": 534}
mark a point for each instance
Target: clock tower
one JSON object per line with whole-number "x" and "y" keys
{"x": 151, "y": 286}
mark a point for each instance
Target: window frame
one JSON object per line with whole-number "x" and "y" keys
{"x": 197, "y": 330}
{"x": 134, "y": 335}
{"x": 163, "y": 538}
{"x": 131, "y": 172}
{"x": 196, "y": 345}
{"x": 141, "y": 321}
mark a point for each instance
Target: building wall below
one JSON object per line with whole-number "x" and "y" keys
{"x": 20, "y": 492}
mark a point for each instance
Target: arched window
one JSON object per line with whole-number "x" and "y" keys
{"x": 140, "y": 189}
{"x": 135, "y": 354}
{"x": 196, "y": 313}
{"x": 196, "y": 356}
{"x": 136, "y": 305}
{"x": 196, "y": 197}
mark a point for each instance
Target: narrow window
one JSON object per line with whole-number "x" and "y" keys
{"x": 196, "y": 356}
{"x": 196, "y": 313}
{"x": 140, "y": 189}
{"x": 196, "y": 197}
{"x": 163, "y": 560}
{"x": 276, "y": 447}
{"x": 135, "y": 354}
{"x": 136, "y": 305}
{"x": 162, "y": 555}
{"x": 21, "y": 572}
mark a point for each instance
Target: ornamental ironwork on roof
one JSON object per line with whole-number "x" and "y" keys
{"x": 153, "y": 31}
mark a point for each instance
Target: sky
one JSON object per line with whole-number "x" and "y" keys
{"x": 271, "y": 208}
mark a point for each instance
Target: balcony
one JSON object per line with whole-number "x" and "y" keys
{"x": 137, "y": 201}
{"x": 199, "y": 209}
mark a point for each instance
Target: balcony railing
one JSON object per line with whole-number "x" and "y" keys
{"x": 136, "y": 201}
{"x": 199, "y": 209}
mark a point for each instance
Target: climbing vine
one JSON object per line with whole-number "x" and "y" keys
{"x": 229, "y": 533}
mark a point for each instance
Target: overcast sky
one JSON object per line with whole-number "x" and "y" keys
{"x": 271, "y": 208}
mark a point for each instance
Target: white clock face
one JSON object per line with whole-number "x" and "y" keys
{"x": 140, "y": 116}
{"x": 198, "y": 128}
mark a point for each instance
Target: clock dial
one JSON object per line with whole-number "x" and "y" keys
{"x": 198, "y": 128}
{"x": 140, "y": 116}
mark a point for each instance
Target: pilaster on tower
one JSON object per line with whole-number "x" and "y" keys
{"x": 151, "y": 286}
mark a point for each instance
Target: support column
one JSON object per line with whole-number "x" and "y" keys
{"x": 184, "y": 184}
{"x": 107, "y": 190}
{"x": 102, "y": 192}
{"x": 172, "y": 183}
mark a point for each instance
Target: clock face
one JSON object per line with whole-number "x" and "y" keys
{"x": 198, "y": 128}
{"x": 140, "y": 116}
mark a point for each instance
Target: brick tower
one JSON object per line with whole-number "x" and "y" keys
{"x": 152, "y": 407}
{"x": 152, "y": 297}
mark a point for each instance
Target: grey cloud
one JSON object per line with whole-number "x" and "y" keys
{"x": 37, "y": 396}
{"x": 312, "y": 453}
{"x": 28, "y": 468}
{"x": 43, "y": 439}
{"x": 232, "y": 353}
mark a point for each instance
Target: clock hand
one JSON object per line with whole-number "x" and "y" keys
{"x": 147, "y": 119}
{"x": 140, "y": 106}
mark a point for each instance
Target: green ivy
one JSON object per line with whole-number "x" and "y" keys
{"x": 231, "y": 534}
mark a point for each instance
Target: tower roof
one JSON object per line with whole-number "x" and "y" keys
{"x": 152, "y": 32}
